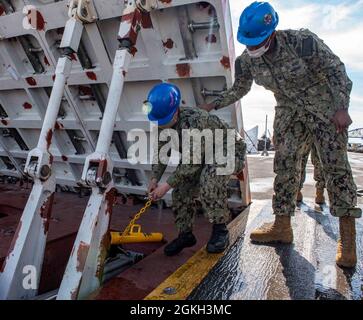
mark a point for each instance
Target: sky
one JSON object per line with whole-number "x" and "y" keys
{"x": 338, "y": 23}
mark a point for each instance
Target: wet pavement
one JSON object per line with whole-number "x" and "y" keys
{"x": 303, "y": 270}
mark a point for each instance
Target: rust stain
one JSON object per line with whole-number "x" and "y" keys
{"x": 36, "y": 20}
{"x": 82, "y": 255}
{"x": 53, "y": 77}
{"x": 74, "y": 294}
{"x": 27, "y": 105}
{"x": 91, "y": 75}
{"x": 51, "y": 158}
{"x": 169, "y": 43}
{"x": 46, "y": 211}
{"x": 58, "y": 125}
{"x": 225, "y": 62}
{"x": 133, "y": 51}
{"x": 31, "y": 81}
{"x": 4, "y": 122}
{"x": 165, "y": 1}
{"x": 2, "y": 10}
{"x": 183, "y": 102}
{"x": 46, "y": 61}
{"x": 102, "y": 168}
{"x": 85, "y": 90}
{"x": 64, "y": 158}
{"x": 124, "y": 73}
{"x": 146, "y": 22}
{"x": 49, "y": 138}
{"x": 128, "y": 17}
{"x": 211, "y": 38}
{"x": 73, "y": 56}
{"x": 12, "y": 244}
{"x": 104, "y": 248}
{"x": 183, "y": 70}
{"x": 110, "y": 200}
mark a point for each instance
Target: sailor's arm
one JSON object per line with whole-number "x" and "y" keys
{"x": 241, "y": 86}
{"x": 328, "y": 68}
{"x": 158, "y": 167}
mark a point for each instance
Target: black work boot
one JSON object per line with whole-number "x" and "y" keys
{"x": 219, "y": 241}
{"x": 184, "y": 240}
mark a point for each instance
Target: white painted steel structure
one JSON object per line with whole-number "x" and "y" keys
{"x": 189, "y": 43}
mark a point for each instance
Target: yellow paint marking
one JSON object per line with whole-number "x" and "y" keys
{"x": 183, "y": 281}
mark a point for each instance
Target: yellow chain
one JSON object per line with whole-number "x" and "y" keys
{"x": 137, "y": 217}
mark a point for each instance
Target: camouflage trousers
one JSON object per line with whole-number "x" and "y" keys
{"x": 206, "y": 191}
{"x": 295, "y": 130}
{"x": 318, "y": 171}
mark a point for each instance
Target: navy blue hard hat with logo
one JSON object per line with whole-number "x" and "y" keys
{"x": 257, "y": 22}
{"x": 163, "y": 101}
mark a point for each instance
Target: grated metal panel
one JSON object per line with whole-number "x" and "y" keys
{"x": 166, "y": 50}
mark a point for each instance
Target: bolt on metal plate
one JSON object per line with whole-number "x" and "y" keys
{"x": 169, "y": 290}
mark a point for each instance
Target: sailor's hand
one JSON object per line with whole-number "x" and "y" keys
{"x": 160, "y": 191}
{"x": 153, "y": 184}
{"x": 207, "y": 107}
{"x": 341, "y": 120}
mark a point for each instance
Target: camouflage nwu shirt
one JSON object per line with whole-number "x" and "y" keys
{"x": 301, "y": 71}
{"x": 193, "y": 118}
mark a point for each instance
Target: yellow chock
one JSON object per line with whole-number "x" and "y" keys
{"x": 133, "y": 233}
{"x": 135, "y": 236}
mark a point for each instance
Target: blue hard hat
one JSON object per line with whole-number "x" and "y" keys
{"x": 257, "y": 22}
{"x": 164, "y": 100}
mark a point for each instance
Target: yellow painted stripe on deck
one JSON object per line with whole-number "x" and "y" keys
{"x": 191, "y": 274}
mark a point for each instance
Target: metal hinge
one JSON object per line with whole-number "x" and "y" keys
{"x": 146, "y": 5}
{"x": 82, "y": 10}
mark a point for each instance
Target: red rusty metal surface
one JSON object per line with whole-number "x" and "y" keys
{"x": 46, "y": 211}
{"x": 82, "y": 255}
{"x": 91, "y": 75}
{"x": 140, "y": 279}
{"x": 73, "y": 56}
{"x": 85, "y": 90}
{"x": 58, "y": 125}
{"x": 225, "y": 62}
{"x": 31, "y": 81}
{"x": 183, "y": 70}
{"x": 36, "y": 19}
{"x": 133, "y": 51}
{"x": 67, "y": 212}
{"x": 211, "y": 38}
{"x": 49, "y": 138}
{"x": 46, "y": 61}
{"x": 4, "y": 122}
{"x": 169, "y": 43}
{"x": 146, "y": 22}
{"x": 27, "y": 105}
{"x": 64, "y": 158}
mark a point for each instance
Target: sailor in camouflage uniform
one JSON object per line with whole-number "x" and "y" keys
{"x": 318, "y": 176}
{"x": 198, "y": 180}
{"x": 312, "y": 91}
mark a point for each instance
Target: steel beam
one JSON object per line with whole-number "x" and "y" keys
{"x": 30, "y": 239}
{"x": 84, "y": 272}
